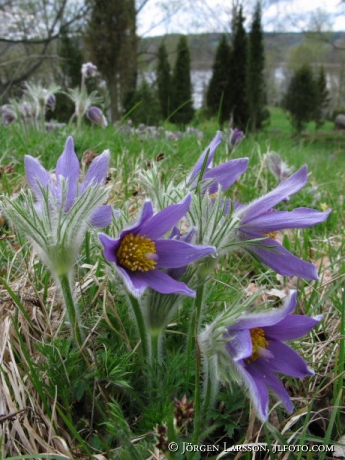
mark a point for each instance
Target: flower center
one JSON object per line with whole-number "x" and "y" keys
{"x": 137, "y": 252}
{"x": 257, "y": 335}
{"x": 272, "y": 235}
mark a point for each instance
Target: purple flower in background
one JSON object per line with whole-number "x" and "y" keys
{"x": 51, "y": 102}
{"x": 278, "y": 167}
{"x": 96, "y": 116}
{"x": 68, "y": 172}
{"x": 26, "y": 110}
{"x": 223, "y": 175}
{"x": 88, "y": 70}
{"x": 235, "y": 138}
{"x": 258, "y": 219}
{"x": 8, "y": 116}
{"x": 141, "y": 251}
{"x": 256, "y": 348}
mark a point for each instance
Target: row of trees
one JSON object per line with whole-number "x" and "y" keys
{"x": 175, "y": 89}
{"x": 105, "y": 32}
{"x": 237, "y": 88}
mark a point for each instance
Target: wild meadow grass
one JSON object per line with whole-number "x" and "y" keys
{"x": 53, "y": 405}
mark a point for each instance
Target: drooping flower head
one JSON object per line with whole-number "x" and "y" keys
{"x": 68, "y": 175}
{"x": 141, "y": 253}
{"x": 95, "y": 115}
{"x": 279, "y": 168}
{"x": 223, "y": 175}
{"x": 51, "y": 102}
{"x": 257, "y": 350}
{"x": 254, "y": 350}
{"x": 8, "y": 115}
{"x": 259, "y": 219}
{"x": 235, "y": 138}
{"x": 88, "y": 70}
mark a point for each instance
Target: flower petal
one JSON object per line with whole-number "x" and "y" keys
{"x": 36, "y": 174}
{"x": 272, "y": 221}
{"x": 239, "y": 344}
{"x": 210, "y": 150}
{"x": 257, "y": 390}
{"x": 174, "y": 253}
{"x": 226, "y": 174}
{"x": 98, "y": 170}
{"x": 110, "y": 246}
{"x": 261, "y": 371}
{"x": 145, "y": 216}
{"x": 286, "y": 360}
{"x": 268, "y": 317}
{"x": 135, "y": 285}
{"x": 275, "y": 256}
{"x": 292, "y": 327}
{"x": 68, "y": 167}
{"x": 265, "y": 203}
{"x": 164, "y": 220}
{"x": 102, "y": 216}
{"x": 161, "y": 282}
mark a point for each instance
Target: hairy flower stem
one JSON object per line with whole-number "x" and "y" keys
{"x": 71, "y": 308}
{"x": 209, "y": 390}
{"x": 156, "y": 345}
{"x": 194, "y": 327}
{"x": 193, "y": 333}
{"x": 142, "y": 328}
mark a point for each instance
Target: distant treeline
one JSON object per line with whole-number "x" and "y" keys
{"x": 203, "y": 47}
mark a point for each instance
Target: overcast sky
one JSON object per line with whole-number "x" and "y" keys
{"x": 160, "y": 17}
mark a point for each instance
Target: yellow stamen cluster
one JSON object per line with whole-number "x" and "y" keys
{"x": 135, "y": 253}
{"x": 257, "y": 335}
{"x": 272, "y": 235}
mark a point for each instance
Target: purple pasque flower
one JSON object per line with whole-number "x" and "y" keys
{"x": 8, "y": 115}
{"x": 95, "y": 115}
{"x": 88, "y": 70}
{"x": 278, "y": 167}
{"x": 223, "y": 175}
{"x": 141, "y": 251}
{"x": 51, "y": 102}
{"x": 68, "y": 175}
{"x": 257, "y": 351}
{"x": 235, "y": 138}
{"x": 259, "y": 220}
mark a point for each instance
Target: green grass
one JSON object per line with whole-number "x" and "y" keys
{"x": 65, "y": 399}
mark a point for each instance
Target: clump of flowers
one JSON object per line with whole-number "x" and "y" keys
{"x": 56, "y": 213}
{"x": 85, "y": 103}
{"x": 168, "y": 261}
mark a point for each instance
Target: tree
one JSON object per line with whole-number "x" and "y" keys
{"x": 301, "y": 98}
{"x": 28, "y": 33}
{"x": 164, "y": 81}
{"x": 112, "y": 42}
{"x": 238, "y": 78}
{"x": 182, "y": 85}
{"x": 217, "y": 96}
{"x": 148, "y": 108}
{"x": 322, "y": 97}
{"x": 72, "y": 60}
{"x": 256, "y": 67}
